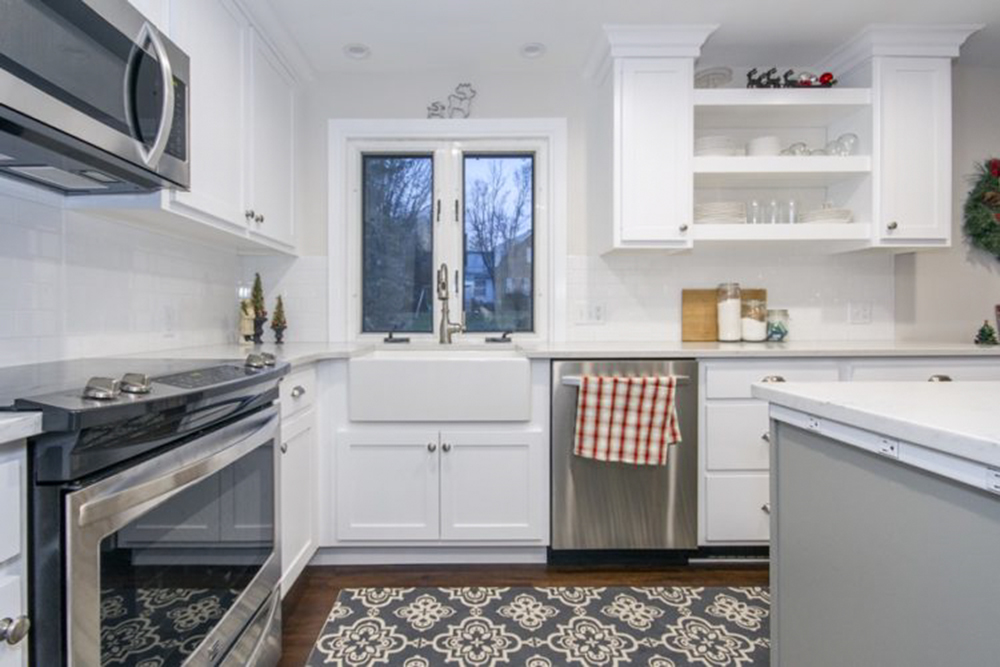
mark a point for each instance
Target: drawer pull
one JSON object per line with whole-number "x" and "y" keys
{"x": 766, "y": 437}
{"x": 939, "y": 378}
{"x": 431, "y": 447}
{"x": 766, "y": 508}
{"x": 298, "y": 391}
{"x": 446, "y": 447}
{"x": 14, "y": 630}
{"x": 284, "y": 448}
{"x": 773, "y": 378}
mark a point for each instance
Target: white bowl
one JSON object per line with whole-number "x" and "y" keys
{"x": 768, "y": 145}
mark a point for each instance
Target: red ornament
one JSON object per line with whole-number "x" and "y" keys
{"x": 995, "y": 168}
{"x": 997, "y": 216}
{"x": 826, "y": 78}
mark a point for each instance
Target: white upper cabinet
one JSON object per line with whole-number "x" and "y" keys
{"x": 157, "y": 11}
{"x": 653, "y": 160}
{"x": 653, "y": 71}
{"x": 270, "y": 117}
{"x": 913, "y": 122}
{"x": 212, "y": 33}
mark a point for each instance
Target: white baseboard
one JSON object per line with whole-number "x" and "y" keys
{"x": 428, "y": 556}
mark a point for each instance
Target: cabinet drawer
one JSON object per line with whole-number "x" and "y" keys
{"x": 734, "y": 436}
{"x": 922, "y": 370}
{"x": 10, "y": 500}
{"x": 734, "y": 506}
{"x": 725, "y": 381}
{"x": 298, "y": 391}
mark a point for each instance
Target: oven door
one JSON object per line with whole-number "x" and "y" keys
{"x": 168, "y": 561}
{"x": 97, "y": 71}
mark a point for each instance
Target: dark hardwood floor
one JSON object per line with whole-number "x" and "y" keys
{"x": 306, "y": 606}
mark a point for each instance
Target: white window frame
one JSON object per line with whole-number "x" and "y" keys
{"x": 349, "y": 139}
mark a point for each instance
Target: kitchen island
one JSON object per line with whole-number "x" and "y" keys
{"x": 885, "y": 523}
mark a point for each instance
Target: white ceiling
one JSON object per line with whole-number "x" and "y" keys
{"x": 485, "y": 35}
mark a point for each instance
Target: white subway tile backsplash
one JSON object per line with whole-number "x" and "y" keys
{"x": 74, "y": 285}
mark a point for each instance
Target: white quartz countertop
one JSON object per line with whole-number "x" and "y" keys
{"x": 18, "y": 425}
{"x": 666, "y": 349}
{"x": 305, "y": 353}
{"x": 958, "y": 418}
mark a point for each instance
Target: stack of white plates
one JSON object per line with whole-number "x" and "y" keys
{"x": 723, "y": 212}
{"x": 826, "y": 215}
{"x": 716, "y": 145}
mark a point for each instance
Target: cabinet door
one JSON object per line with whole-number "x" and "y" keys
{"x": 387, "y": 485}
{"x": 914, "y": 152}
{"x": 11, "y": 606}
{"x": 737, "y": 508}
{"x": 654, "y": 148}
{"x": 494, "y": 486}
{"x": 271, "y": 121}
{"x": 736, "y": 435}
{"x": 299, "y": 479}
{"x": 212, "y": 32}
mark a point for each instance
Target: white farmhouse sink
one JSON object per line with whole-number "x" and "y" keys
{"x": 440, "y": 384}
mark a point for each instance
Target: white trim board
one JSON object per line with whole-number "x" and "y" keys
{"x": 342, "y": 132}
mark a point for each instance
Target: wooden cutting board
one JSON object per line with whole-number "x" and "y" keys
{"x": 699, "y": 315}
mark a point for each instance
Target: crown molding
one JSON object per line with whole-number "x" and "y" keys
{"x": 922, "y": 41}
{"x": 645, "y": 41}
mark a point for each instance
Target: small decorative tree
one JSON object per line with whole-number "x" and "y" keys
{"x": 259, "y": 309}
{"x": 278, "y": 322}
{"x": 986, "y": 335}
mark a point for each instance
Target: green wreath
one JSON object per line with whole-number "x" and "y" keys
{"x": 982, "y": 208}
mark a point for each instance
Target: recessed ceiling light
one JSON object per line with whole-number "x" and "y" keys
{"x": 357, "y": 51}
{"x": 533, "y": 50}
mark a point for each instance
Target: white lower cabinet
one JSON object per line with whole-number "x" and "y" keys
{"x": 399, "y": 485}
{"x": 299, "y": 509}
{"x": 13, "y": 559}
{"x": 490, "y": 485}
{"x": 736, "y": 507}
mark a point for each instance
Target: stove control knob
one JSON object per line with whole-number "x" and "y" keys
{"x": 255, "y": 361}
{"x": 102, "y": 389}
{"x": 269, "y": 359}
{"x": 136, "y": 383}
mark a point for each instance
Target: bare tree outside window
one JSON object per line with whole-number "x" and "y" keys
{"x": 397, "y": 233}
{"x": 499, "y": 242}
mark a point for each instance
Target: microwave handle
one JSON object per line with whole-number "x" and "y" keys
{"x": 152, "y": 156}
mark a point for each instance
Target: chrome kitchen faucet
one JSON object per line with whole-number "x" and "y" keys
{"x": 448, "y": 328}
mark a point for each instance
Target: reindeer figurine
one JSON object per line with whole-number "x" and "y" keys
{"x": 460, "y": 102}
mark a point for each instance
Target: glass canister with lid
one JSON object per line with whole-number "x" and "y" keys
{"x": 753, "y": 323}
{"x": 728, "y": 302}
{"x": 777, "y": 324}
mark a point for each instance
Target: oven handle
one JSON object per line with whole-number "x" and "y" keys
{"x": 134, "y": 492}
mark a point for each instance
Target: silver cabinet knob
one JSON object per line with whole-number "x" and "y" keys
{"x": 14, "y": 630}
{"x": 431, "y": 447}
{"x": 298, "y": 391}
{"x": 939, "y": 378}
{"x": 250, "y": 214}
{"x": 773, "y": 378}
{"x": 284, "y": 448}
{"x": 259, "y": 218}
{"x": 766, "y": 437}
{"x": 766, "y": 508}
{"x": 446, "y": 447}
{"x": 892, "y": 226}
{"x": 683, "y": 228}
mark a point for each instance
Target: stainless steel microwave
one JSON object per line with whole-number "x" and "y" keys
{"x": 93, "y": 98}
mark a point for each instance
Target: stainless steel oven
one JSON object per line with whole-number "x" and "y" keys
{"x": 154, "y": 520}
{"x": 93, "y": 98}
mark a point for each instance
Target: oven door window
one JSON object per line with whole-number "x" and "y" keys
{"x": 169, "y": 576}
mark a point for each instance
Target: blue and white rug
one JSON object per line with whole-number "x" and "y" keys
{"x": 544, "y": 627}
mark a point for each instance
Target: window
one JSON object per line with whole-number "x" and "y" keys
{"x": 397, "y": 243}
{"x": 469, "y": 205}
{"x": 498, "y": 236}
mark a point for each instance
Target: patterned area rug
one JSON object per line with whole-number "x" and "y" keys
{"x": 544, "y": 627}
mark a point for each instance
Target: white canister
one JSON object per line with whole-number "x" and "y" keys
{"x": 728, "y": 305}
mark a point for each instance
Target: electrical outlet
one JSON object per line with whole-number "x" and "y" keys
{"x": 859, "y": 312}
{"x": 598, "y": 313}
{"x": 590, "y": 313}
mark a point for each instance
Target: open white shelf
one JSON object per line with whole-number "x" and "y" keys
{"x": 777, "y": 107}
{"x": 778, "y": 171}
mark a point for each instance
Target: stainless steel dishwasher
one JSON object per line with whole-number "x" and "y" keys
{"x": 614, "y": 506}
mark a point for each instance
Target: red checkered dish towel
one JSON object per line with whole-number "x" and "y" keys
{"x": 626, "y": 419}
